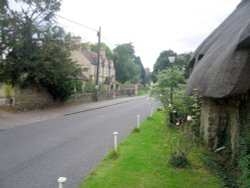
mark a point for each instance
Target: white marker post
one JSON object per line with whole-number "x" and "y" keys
{"x": 115, "y": 140}
{"x": 138, "y": 121}
{"x": 61, "y": 181}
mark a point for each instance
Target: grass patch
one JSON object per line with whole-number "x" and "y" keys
{"x": 136, "y": 130}
{"x": 143, "y": 162}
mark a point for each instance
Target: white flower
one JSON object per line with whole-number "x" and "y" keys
{"x": 189, "y": 118}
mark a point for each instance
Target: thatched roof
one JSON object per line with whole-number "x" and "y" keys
{"x": 221, "y": 64}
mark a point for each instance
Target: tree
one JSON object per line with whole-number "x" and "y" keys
{"x": 161, "y": 63}
{"x": 182, "y": 105}
{"x": 108, "y": 52}
{"x": 3, "y": 8}
{"x": 174, "y": 77}
{"x": 128, "y": 67}
{"x": 143, "y": 76}
{"x": 38, "y": 51}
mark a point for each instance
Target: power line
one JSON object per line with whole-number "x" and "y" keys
{"x": 74, "y": 22}
{"x": 84, "y": 26}
{"x": 104, "y": 38}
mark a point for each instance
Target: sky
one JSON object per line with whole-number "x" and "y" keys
{"x": 152, "y": 26}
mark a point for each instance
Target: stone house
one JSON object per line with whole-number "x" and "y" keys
{"x": 88, "y": 61}
{"x": 221, "y": 77}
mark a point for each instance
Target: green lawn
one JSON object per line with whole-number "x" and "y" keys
{"x": 143, "y": 163}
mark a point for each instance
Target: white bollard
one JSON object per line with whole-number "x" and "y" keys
{"x": 61, "y": 181}
{"x": 115, "y": 140}
{"x": 138, "y": 121}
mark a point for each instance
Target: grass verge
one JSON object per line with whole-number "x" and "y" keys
{"x": 142, "y": 162}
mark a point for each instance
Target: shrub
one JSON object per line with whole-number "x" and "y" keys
{"x": 178, "y": 160}
{"x": 8, "y": 91}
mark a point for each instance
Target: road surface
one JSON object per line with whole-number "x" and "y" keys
{"x": 35, "y": 155}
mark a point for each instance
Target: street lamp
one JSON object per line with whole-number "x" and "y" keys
{"x": 171, "y": 60}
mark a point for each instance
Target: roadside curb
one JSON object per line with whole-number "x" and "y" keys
{"x": 9, "y": 120}
{"x": 105, "y": 106}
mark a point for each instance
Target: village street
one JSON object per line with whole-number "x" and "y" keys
{"x": 70, "y": 143}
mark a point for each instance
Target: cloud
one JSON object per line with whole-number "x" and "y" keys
{"x": 151, "y": 25}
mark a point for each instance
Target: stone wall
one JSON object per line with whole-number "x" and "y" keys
{"x": 81, "y": 98}
{"x": 220, "y": 124}
{"x": 32, "y": 98}
{"x": 90, "y": 97}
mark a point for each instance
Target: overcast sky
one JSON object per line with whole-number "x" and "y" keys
{"x": 151, "y": 25}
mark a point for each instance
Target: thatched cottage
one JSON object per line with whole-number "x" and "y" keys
{"x": 221, "y": 77}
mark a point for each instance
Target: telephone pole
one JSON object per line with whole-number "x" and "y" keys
{"x": 98, "y": 65}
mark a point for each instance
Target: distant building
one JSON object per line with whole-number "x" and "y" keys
{"x": 88, "y": 61}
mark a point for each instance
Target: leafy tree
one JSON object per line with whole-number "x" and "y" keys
{"x": 38, "y": 51}
{"x": 143, "y": 76}
{"x": 109, "y": 53}
{"x": 128, "y": 67}
{"x": 3, "y": 9}
{"x": 162, "y": 63}
{"x": 181, "y": 105}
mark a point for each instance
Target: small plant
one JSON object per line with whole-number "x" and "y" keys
{"x": 179, "y": 148}
{"x": 112, "y": 155}
{"x": 178, "y": 160}
{"x": 245, "y": 161}
{"x": 8, "y": 91}
{"x": 141, "y": 92}
{"x": 136, "y": 130}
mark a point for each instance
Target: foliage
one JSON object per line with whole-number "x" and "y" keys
{"x": 141, "y": 92}
{"x": 142, "y": 162}
{"x": 37, "y": 51}
{"x": 178, "y": 160}
{"x": 182, "y": 105}
{"x": 143, "y": 77}
{"x": 245, "y": 160}
{"x": 108, "y": 52}
{"x": 227, "y": 175}
{"x": 181, "y": 146}
{"x": 129, "y": 68}
{"x": 163, "y": 63}
{"x": 112, "y": 155}
{"x": 8, "y": 91}
{"x": 136, "y": 130}
{"x": 89, "y": 86}
{"x": 78, "y": 86}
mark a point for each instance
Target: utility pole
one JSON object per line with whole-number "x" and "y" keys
{"x": 98, "y": 65}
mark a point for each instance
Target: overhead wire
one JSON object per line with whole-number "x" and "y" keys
{"x": 79, "y": 24}
{"x": 84, "y": 26}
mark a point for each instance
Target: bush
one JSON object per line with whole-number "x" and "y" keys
{"x": 178, "y": 160}
{"x": 8, "y": 91}
{"x": 141, "y": 92}
{"x": 89, "y": 86}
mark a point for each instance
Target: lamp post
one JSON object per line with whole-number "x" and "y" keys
{"x": 171, "y": 60}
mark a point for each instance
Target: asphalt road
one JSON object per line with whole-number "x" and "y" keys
{"x": 35, "y": 155}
